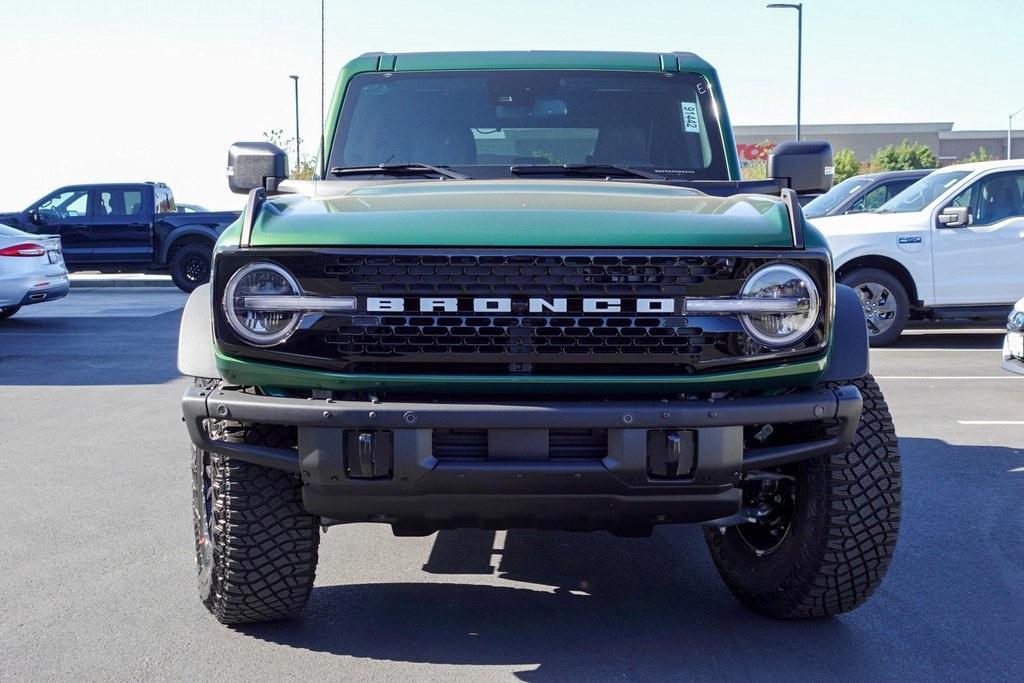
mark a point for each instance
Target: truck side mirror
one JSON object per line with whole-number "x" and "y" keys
{"x": 256, "y": 164}
{"x": 804, "y": 167}
{"x": 954, "y": 217}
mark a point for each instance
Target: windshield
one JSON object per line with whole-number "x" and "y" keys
{"x": 483, "y": 122}
{"x": 922, "y": 193}
{"x": 822, "y": 204}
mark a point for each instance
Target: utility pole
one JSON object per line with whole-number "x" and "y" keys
{"x": 1009, "y": 135}
{"x": 298, "y": 157}
{"x": 799, "y": 7}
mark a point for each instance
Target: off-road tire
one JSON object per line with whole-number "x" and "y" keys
{"x": 7, "y": 312}
{"x": 843, "y": 531}
{"x": 184, "y": 261}
{"x": 866, "y": 276}
{"x": 262, "y": 562}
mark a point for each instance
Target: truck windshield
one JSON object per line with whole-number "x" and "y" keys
{"x": 922, "y": 193}
{"x": 485, "y": 122}
{"x": 822, "y": 204}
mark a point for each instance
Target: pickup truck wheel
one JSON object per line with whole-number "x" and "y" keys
{"x": 8, "y": 311}
{"x": 885, "y": 301}
{"x": 826, "y": 528}
{"x": 256, "y": 548}
{"x": 190, "y": 265}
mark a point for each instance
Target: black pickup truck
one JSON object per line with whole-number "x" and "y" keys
{"x": 127, "y": 227}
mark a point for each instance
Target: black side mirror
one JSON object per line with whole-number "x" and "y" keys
{"x": 256, "y": 164}
{"x": 954, "y": 217}
{"x": 804, "y": 167}
{"x": 34, "y": 217}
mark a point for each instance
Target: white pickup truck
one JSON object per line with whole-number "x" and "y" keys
{"x": 949, "y": 246}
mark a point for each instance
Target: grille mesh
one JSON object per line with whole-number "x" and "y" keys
{"x": 553, "y": 337}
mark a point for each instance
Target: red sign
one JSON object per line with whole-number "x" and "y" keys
{"x": 758, "y": 152}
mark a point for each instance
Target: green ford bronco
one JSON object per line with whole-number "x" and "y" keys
{"x": 529, "y": 290}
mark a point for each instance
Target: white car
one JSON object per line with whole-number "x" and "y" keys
{"x": 1013, "y": 346}
{"x": 32, "y": 270}
{"x": 949, "y": 246}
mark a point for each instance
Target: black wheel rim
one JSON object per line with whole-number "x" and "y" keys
{"x": 196, "y": 269}
{"x": 772, "y": 505}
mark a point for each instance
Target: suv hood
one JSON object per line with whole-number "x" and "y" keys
{"x": 519, "y": 213}
{"x": 866, "y": 223}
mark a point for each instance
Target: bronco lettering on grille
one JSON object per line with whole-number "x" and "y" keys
{"x": 535, "y": 305}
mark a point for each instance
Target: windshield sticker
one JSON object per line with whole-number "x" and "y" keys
{"x": 691, "y": 121}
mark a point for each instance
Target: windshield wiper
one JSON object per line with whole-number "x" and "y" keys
{"x": 400, "y": 169}
{"x": 603, "y": 170}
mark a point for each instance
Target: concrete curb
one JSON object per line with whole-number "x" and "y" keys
{"x": 119, "y": 280}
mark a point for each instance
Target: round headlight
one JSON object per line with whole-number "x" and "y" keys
{"x": 241, "y": 300}
{"x": 783, "y": 288}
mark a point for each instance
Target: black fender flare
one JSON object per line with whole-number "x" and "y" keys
{"x": 185, "y": 232}
{"x": 195, "y": 336}
{"x": 849, "y": 356}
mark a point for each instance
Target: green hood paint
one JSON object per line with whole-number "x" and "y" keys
{"x": 273, "y": 376}
{"x": 521, "y": 213}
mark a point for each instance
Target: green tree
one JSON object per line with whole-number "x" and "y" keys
{"x": 980, "y": 154}
{"x": 302, "y": 169}
{"x": 905, "y": 156}
{"x": 846, "y": 165}
{"x": 754, "y": 170}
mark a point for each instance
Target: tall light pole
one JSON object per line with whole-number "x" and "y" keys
{"x": 799, "y": 7}
{"x": 1009, "y": 135}
{"x": 298, "y": 158}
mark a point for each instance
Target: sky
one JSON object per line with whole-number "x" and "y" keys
{"x": 119, "y": 90}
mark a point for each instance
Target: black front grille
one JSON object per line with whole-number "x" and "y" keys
{"x": 455, "y": 338}
{"x": 471, "y": 444}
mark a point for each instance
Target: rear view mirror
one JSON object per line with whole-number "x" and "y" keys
{"x": 954, "y": 217}
{"x": 256, "y": 164}
{"x": 804, "y": 167}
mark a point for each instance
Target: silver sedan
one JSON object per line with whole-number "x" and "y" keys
{"x": 32, "y": 270}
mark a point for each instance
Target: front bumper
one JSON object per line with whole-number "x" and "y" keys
{"x": 616, "y": 491}
{"x": 1012, "y": 358}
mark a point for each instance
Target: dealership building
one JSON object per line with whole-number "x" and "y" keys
{"x": 950, "y": 146}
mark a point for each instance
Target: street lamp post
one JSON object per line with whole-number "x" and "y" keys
{"x": 1009, "y": 135}
{"x": 297, "y": 157}
{"x": 799, "y": 7}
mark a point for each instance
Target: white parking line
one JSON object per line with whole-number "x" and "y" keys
{"x": 957, "y": 377}
{"x": 990, "y": 422}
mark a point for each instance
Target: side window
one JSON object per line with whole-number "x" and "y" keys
{"x": 870, "y": 201}
{"x": 965, "y": 198}
{"x": 120, "y": 203}
{"x": 64, "y": 205}
{"x": 998, "y": 197}
{"x": 897, "y": 186}
{"x": 163, "y": 201}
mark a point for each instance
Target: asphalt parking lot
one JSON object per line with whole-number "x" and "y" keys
{"x": 98, "y": 564}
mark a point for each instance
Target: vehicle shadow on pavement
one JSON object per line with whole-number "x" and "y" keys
{"x": 598, "y": 606}
{"x": 595, "y": 606}
{"x": 89, "y": 351}
{"x": 951, "y": 339}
